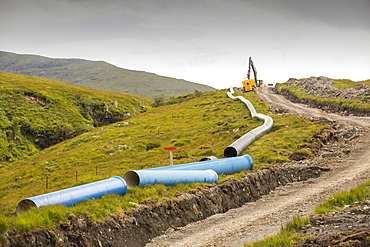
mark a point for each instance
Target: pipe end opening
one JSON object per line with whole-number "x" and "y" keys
{"x": 208, "y": 158}
{"x": 25, "y": 205}
{"x": 230, "y": 152}
{"x": 132, "y": 179}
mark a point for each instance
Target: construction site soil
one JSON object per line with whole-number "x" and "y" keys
{"x": 240, "y": 211}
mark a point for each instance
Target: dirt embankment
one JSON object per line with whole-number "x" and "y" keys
{"x": 346, "y": 227}
{"x": 322, "y": 87}
{"x": 137, "y": 227}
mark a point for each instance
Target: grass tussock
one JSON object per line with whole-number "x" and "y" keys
{"x": 358, "y": 195}
{"x": 286, "y": 237}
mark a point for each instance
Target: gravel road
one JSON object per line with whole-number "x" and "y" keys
{"x": 257, "y": 220}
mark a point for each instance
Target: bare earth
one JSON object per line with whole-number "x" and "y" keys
{"x": 257, "y": 220}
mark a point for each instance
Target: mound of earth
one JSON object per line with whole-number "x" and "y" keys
{"x": 323, "y": 87}
{"x": 347, "y": 227}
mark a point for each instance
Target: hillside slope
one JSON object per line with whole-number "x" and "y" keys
{"x": 199, "y": 127}
{"x": 36, "y": 113}
{"x": 98, "y": 75}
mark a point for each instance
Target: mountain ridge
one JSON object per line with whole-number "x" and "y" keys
{"x": 98, "y": 75}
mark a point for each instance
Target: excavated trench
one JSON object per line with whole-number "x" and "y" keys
{"x": 138, "y": 226}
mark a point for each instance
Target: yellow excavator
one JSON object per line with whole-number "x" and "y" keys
{"x": 250, "y": 84}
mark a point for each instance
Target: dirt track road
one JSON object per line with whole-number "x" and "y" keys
{"x": 257, "y": 220}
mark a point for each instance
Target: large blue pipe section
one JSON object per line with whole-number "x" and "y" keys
{"x": 141, "y": 178}
{"x": 71, "y": 196}
{"x": 220, "y": 166}
{"x": 237, "y": 147}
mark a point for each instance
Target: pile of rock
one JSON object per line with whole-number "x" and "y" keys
{"x": 358, "y": 92}
{"x": 346, "y": 227}
{"x": 323, "y": 87}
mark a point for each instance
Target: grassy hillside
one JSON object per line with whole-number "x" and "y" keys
{"x": 36, "y": 113}
{"x": 98, "y": 75}
{"x": 202, "y": 126}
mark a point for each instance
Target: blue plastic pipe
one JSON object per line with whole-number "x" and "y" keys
{"x": 220, "y": 166}
{"x": 141, "y": 178}
{"x": 71, "y": 196}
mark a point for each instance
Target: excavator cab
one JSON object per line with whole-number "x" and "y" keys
{"x": 248, "y": 85}
{"x": 261, "y": 83}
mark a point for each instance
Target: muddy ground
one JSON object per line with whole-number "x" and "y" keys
{"x": 235, "y": 212}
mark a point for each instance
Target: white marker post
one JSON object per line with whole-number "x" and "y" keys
{"x": 171, "y": 155}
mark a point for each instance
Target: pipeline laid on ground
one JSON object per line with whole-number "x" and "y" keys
{"x": 71, "y": 196}
{"x": 204, "y": 171}
{"x": 170, "y": 175}
{"x": 237, "y": 147}
{"x": 197, "y": 172}
{"x": 220, "y": 166}
{"x": 141, "y": 178}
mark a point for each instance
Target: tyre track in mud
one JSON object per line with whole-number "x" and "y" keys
{"x": 257, "y": 220}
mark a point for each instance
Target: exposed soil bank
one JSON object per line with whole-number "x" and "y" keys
{"x": 137, "y": 227}
{"x": 347, "y": 227}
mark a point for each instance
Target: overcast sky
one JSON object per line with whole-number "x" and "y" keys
{"x": 202, "y": 41}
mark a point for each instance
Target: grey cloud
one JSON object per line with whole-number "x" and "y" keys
{"x": 339, "y": 13}
{"x": 187, "y": 34}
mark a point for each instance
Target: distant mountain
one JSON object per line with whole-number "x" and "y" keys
{"x": 98, "y": 75}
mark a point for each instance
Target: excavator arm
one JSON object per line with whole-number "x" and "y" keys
{"x": 251, "y": 65}
{"x": 250, "y": 84}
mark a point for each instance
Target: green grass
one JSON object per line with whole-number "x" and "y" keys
{"x": 359, "y": 194}
{"x": 286, "y": 237}
{"x": 36, "y": 113}
{"x": 199, "y": 127}
{"x": 346, "y": 83}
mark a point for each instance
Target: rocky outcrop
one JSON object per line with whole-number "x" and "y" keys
{"x": 323, "y": 87}
{"x": 346, "y": 227}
